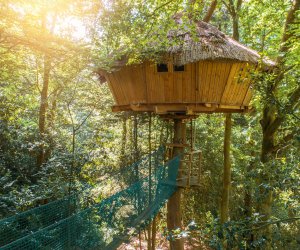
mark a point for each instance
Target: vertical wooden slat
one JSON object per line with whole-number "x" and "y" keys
{"x": 168, "y": 89}
{"x": 245, "y": 85}
{"x": 186, "y": 83}
{"x": 137, "y": 83}
{"x": 112, "y": 88}
{"x": 177, "y": 83}
{"x": 248, "y": 96}
{"x": 233, "y": 85}
{"x": 145, "y": 81}
{"x": 117, "y": 86}
{"x": 127, "y": 85}
{"x": 202, "y": 69}
{"x": 148, "y": 80}
{"x": 195, "y": 80}
{"x": 228, "y": 85}
{"x": 224, "y": 70}
{"x": 206, "y": 86}
{"x": 190, "y": 81}
{"x": 214, "y": 80}
{"x": 235, "y": 93}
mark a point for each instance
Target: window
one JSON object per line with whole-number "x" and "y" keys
{"x": 178, "y": 68}
{"x": 162, "y": 67}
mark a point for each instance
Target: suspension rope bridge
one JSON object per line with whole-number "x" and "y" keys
{"x": 69, "y": 224}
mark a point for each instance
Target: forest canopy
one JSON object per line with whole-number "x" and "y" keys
{"x": 58, "y": 135}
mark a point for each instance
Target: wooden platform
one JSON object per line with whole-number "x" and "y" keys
{"x": 182, "y": 108}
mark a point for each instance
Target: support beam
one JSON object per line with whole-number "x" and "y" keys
{"x": 174, "y": 216}
{"x": 187, "y": 109}
{"x": 224, "y": 213}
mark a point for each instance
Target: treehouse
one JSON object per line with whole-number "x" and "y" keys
{"x": 200, "y": 72}
{"x": 212, "y": 74}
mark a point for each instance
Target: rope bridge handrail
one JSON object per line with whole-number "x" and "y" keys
{"x": 22, "y": 224}
{"x": 101, "y": 224}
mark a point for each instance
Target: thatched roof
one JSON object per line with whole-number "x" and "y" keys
{"x": 210, "y": 44}
{"x": 205, "y": 43}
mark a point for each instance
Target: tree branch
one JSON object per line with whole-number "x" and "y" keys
{"x": 227, "y": 6}
{"x": 294, "y": 99}
{"x": 274, "y": 125}
{"x": 284, "y": 141}
{"x": 84, "y": 120}
{"x": 238, "y": 5}
{"x": 210, "y": 11}
{"x": 265, "y": 224}
{"x": 288, "y": 32}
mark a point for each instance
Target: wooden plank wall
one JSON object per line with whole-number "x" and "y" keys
{"x": 210, "y": 82}
{"x": 238, "y": 86}
{"x": 212, "y": 79}
{"x": 129, "y": 85}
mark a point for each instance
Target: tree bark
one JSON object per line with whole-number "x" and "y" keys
{"x": 43, "y": 110}
{"x": 234, "y": 12}
{"x": 210, "y": 11}
{"x": 153, "y": 240}
{"x": 287, "y": 33}
{"x": 224, "y": 214}
{"x": 51, "y": 122}
{"x": 271, "y": 121}
{"x": 150, "y": 176}
{"x": 248, "y": 199}
{"x": 174, "y": 215}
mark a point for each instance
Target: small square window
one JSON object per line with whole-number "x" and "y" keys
{"x": 161, "y": 67}
{"x": 178, "y": 68}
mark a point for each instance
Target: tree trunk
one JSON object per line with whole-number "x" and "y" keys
{"x": 224, "y": 213}
{"x": 174, "y": 216}
{"x": 271, "y": 122}
{"x": 153, "y": 240}
{"x": 51, "y": 117}
{"x": 43, "y": 110}
{"x": 234, "y": 12}
{"x": 248, "y": 190}
{"x": 150, "y": 175}
{"x": 248, "y": 202}
{"x": 235, "y": 24}
{"x": 210, "y": 11}
{"x": 266, "y": 193}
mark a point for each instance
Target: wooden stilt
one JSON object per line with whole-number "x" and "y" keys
{"x": 153, "y": 239}
{"x": 224, "y": 213}
{"x": 174, "y": 216}
{"x": 150, "y": 175}
{"x": 140, "y": 240}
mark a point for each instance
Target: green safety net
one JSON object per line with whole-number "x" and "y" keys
{"x": 67, "y": 224}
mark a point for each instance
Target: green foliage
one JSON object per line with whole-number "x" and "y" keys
{"x": 84, "y": 141}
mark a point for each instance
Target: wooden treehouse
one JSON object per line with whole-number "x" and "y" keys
{"x": 209, "y": 74}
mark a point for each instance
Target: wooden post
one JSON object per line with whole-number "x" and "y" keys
{"x": 174, "y": 216}
{"x": 153, "y": 240}
{"x": 150, "y": 176}
{"x": 224, "y": 214}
